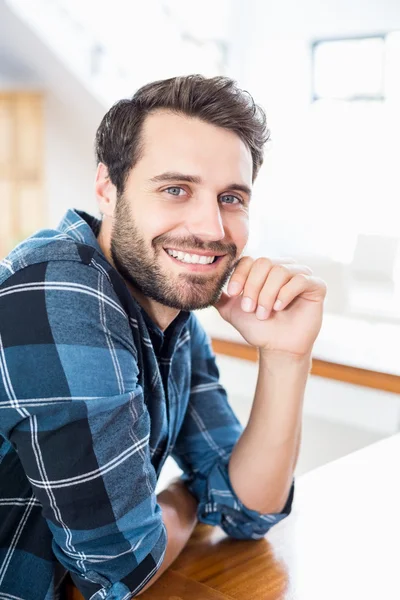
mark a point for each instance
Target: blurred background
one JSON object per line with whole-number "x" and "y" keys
{"x": 328, "y": 76}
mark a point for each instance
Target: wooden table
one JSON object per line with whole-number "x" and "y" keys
{"x": 341, "y": 542}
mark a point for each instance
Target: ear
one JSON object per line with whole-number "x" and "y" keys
{"x": 106, "y": 192}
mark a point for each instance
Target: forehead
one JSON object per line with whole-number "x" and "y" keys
{"x": 173, "y": 142}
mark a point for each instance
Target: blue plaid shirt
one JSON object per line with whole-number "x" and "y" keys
{"x": 94, "y": 397}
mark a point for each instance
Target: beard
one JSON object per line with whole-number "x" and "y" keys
{"x": 140, "y": 265}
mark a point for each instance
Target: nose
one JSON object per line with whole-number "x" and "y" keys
{"x": 204, "y": 220}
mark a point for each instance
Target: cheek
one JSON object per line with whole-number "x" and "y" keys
{"x": 166, "y": 220}
{"x": 160, "y": 223}
{"x": 237, "y": 229}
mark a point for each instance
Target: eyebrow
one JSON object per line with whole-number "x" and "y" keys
{"x": 175, "y": 176}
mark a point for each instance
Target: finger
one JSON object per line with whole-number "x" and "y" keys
{"x": 255, "y": 281}
{"x": 303, "y": 285}
{"x": 278, "y": 276}
{"x": 266, "y": 279}
{"x": 239, "y": 276}
{"x": 245, "y": 265}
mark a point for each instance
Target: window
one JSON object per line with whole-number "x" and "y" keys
{"x": 351, "y": 69}
{"x": 355, "y": 126}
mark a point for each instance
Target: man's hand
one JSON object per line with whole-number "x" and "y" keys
{"x": 276, "y": 305}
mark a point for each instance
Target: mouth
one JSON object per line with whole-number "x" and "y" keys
{"x": 204, "y": 261}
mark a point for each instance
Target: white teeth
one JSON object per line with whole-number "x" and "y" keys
{"x": 191, "y": 258}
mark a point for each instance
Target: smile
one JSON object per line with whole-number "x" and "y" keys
{"x": 191, "y": 258}
{"x": 194, "y": 262}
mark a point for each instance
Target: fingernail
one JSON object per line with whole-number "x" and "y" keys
{"x": 261, "y": 312}
{"x": 278, "y": 305}
{"x": 233, "y": 288}
{"x": 247, "y": 304}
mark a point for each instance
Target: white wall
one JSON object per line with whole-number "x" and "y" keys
{"x": 271, "y": 57}
{"x": 69, "y": 160}
{"x": 71, "y": 115}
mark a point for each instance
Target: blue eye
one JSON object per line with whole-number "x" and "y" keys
{"x": 231, "y": 199}
{"x": 174, "y": 190}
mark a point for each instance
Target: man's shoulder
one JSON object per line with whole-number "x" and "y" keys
{"x": 50, "y": 257}
{"x": 45, "y": 246}
{"x": 71, "y": 280}
{"x": 65, "y": 292}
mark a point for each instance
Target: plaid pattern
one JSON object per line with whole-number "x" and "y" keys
{"x": 94, "y": 398}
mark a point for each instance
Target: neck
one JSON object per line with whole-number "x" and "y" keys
{"x": 161, "y": 315}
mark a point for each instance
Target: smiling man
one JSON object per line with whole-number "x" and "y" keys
{"x": 105, "y": 370}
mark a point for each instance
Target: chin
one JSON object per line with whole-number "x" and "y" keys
{"x": 193, "y": 301}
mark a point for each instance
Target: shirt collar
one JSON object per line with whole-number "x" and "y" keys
{"x": 82, "y": 227}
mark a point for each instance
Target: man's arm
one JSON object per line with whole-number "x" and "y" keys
{"x": 179, "y": 510}
{"x": 277, "y": 307}
{"x": 207, "y": 437}
{"x": 263, "y": 461}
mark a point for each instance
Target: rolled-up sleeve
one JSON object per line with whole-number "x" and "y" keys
{"x": 78, "y": 421}
{"x": 204, "y": 446}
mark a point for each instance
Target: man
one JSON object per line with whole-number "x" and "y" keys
{"x": 105, "y": 371}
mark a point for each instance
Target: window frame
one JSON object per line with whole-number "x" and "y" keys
{"x": 345, "y": 38}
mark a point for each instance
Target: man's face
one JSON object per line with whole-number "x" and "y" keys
{"x": 181, "y": 224}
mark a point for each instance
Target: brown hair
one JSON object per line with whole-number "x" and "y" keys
{"x": 217, "y": 100}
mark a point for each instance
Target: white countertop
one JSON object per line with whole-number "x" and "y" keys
{"x": 346, "y": 340}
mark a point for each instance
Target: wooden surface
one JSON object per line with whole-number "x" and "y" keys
{"x": 341, "y": 542}
{"x": 320, "y": 368}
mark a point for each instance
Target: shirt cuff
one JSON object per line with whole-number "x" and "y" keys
{"x": 219, "y": 505}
